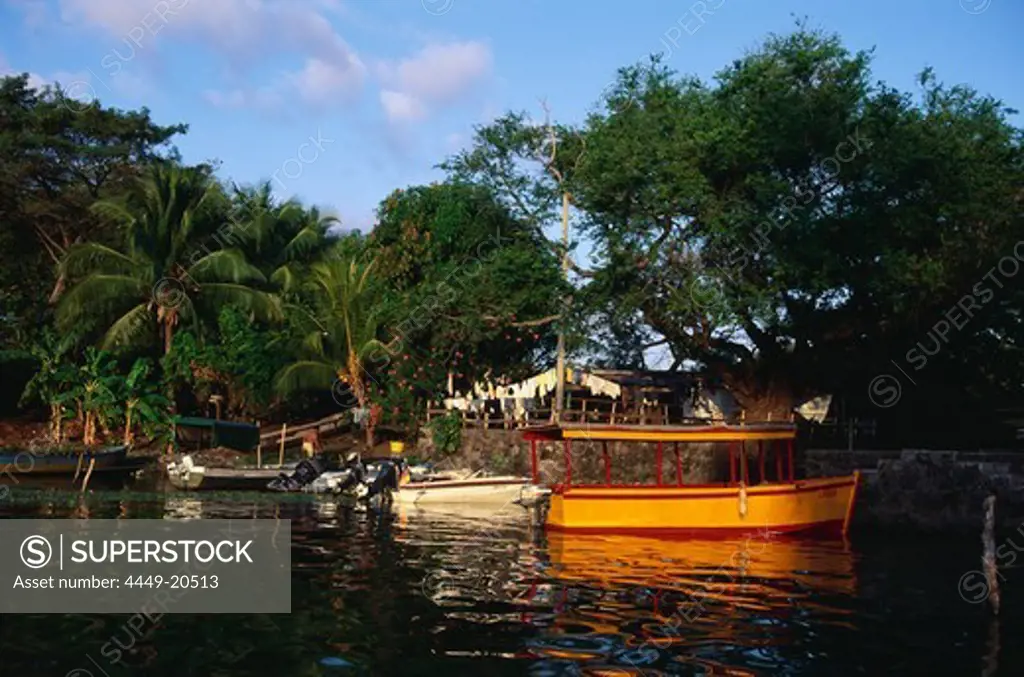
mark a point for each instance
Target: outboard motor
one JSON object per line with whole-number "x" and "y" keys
{"x": 305, "y": 472}
{"x": 386, "y": 481}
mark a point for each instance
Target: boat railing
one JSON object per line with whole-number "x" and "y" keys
{"x": 529, "y": 418}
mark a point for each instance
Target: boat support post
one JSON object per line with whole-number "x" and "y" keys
{"x": 745, "y": 480}
{"x": 778, "y": 463}
{"x": 732, "y": 463}
{"x": 679, "y": 465}
{"x": 760, "y": 462}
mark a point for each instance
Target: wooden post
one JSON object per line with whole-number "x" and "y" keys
{"x": 760, "y": 461}
{"x": 732, "y": 463}
{"x": 259, "y": 455}
{"x": 78, "y": 469}
{"x": 988, "y": 558}
{"x": 611, "y": 418}
{"x": 607, "y": 464}
{"x": 679, "y": 465}
{"x": 280, "y": 451}
{"x": 743, "y": 464}
{"x": 533, "y": 462}
{"x": 88, "y": 474}
{"x": 659, "y": 461}
{"x": 778, "y": 463}
{"x": 792, "y": 468}
{"x": 567, "y": 447}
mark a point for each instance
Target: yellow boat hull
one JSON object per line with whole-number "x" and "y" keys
{"x": 816, "y": 505}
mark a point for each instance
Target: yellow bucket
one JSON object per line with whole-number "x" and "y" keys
{"x": 397, "y": 447}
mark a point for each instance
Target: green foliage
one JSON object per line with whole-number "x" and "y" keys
{"x": 446, "y": 433}
{"x": 461, "y": 275}
{"x": 169, "y": 269}
{"x": 53, "y": 372}
{"x": 238, "y": 362}
{"x": 339, "y": 329}
{"x": 787, "y": 225}
{"x": 57, "y": 158}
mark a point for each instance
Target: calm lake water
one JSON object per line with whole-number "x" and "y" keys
{"x": 486, "y": 594}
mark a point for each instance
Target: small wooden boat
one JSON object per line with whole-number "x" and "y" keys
{"x": 109, "y": 459}
{"x": 188, "y": 476}
{"x": 780, "y": 505}
{"x": 468, "y": 489}
{"x": 500, "y": 490}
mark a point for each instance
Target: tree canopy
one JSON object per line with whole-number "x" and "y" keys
{"x": 791, "y": 228}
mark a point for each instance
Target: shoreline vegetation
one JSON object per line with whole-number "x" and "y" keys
{"x": 792, "y": 229}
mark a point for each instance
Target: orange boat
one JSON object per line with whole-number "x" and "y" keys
{"x": 782, "y": 504}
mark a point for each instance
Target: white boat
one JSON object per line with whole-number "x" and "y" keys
{"x": 499, "y": 489}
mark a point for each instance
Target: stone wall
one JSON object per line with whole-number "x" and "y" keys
{"x": 919, "y": 490}
{"x": 924, "y": 490}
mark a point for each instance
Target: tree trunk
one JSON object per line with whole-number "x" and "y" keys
{"x": 168, "y": 335}
{"x": 55, "y": 422}
{"x": 128, "y": 425}
{"x": 87, "y": 432}
{"x": 762, "y": 401}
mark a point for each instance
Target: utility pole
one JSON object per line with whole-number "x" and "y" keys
{"x": 560, "y": 362}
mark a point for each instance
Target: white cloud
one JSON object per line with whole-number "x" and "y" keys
{"x": 438, "y": 75}
{"x": 242, "y": 31}
{"x": 401, "y": 107}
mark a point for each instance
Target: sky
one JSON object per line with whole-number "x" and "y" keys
{"x": 339, "y": 102}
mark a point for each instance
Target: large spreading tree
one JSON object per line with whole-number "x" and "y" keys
{"x": 788, "y": 226}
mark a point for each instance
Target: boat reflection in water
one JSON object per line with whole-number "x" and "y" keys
{"x": 631, "y": 605}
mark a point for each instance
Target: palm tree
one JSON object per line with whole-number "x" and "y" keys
{"x": 342, "y": 331}
{"x": 170, "y": 269}
{"x": 283, "y": 237}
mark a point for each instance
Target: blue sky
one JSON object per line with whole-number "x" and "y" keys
{"x": 390, "y": 87}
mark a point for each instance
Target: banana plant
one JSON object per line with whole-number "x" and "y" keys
{"x": 96, "y": 393}
{"x": 50, "y": 383}
{"x": 144, "y": 406}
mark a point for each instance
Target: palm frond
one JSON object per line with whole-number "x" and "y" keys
{"x": 306, "y": 375}
{"x": 100, "y": 295}
{"x": 225, "y": 265}
{"x": 131, "y": 328}
{"x": 89, "y": 257}
{"x": 264, "y": 306}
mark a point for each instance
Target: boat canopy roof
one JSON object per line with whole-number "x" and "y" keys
{"x": 661, "y": 433}
{"x": 230, "y": 434}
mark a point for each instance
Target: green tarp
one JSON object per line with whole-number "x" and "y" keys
{"x": 230, "y": 434}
